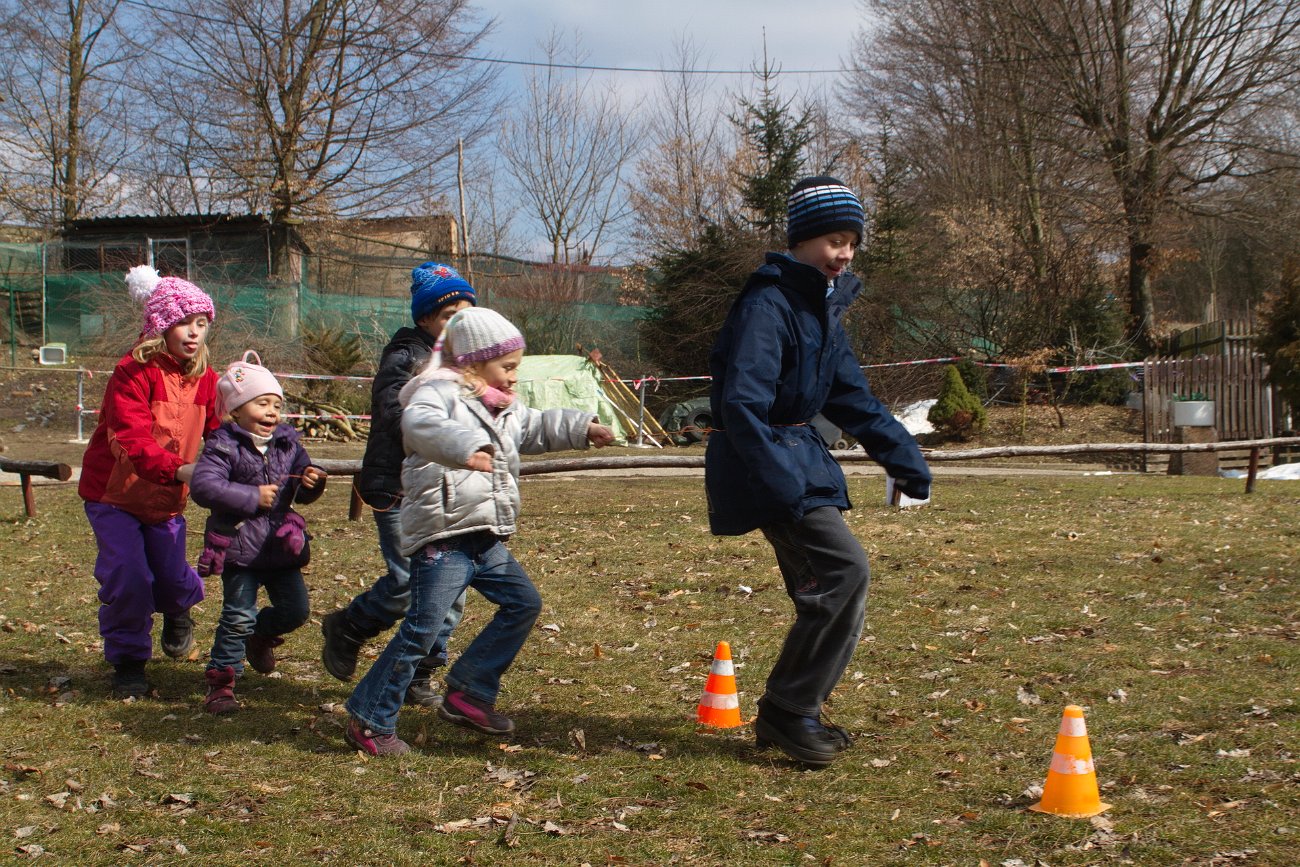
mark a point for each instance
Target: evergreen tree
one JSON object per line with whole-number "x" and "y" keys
{"x": 776, "y": 138}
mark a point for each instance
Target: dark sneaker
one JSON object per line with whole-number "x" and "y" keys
{"x": 178, "y": 634}
{"x": 342, "y": 644}
{"x": 465, "y": 710}
{"x": 373, "y": 744}
{"x": 260, "y": 652}
{"x": 802, "y": 738}
{"x": 221, "y": 690}
{"x": 422, "y": 693}
{"x": 129, "y": 680}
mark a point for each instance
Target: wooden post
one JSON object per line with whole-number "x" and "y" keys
{"x": 29, "y": 501}
{"x": 1253, "y": 470}
{"x": 356, "y": 506}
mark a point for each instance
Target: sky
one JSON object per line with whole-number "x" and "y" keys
{"x": 728, "y": 33}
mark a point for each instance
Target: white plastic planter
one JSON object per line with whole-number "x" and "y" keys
{"x": 1193, "y": 413}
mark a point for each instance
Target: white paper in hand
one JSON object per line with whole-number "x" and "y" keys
{"x": 895, "y": 497}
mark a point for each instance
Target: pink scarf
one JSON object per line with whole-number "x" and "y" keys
{"x": 495, "y": 399}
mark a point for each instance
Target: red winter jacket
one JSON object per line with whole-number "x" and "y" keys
{"x": 146, "y": 430}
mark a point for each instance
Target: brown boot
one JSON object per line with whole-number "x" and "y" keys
{"x": 221, "y": 690}
{"x": 259, "y": 651}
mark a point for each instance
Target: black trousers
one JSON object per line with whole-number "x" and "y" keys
{"x": 826, "y": 575}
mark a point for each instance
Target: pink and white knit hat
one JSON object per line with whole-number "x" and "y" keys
{"x": 244, "y": 380}
{"x": 166, "y": 300}
{"x": 479, "y": 334}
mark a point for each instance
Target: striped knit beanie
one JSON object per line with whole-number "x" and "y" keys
{"x": 819, "y": 206}
{"x": 478, "y": 334}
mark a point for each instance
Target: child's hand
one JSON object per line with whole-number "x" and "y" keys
{"x": 481, "y": 461}
{"x": 266, "y": 495}
{"x": 599, "y": 435}
{"x": 184, "y": 473}
{"x": 311, "y": 476}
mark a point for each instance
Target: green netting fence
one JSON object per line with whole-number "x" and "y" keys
{"x": 557, "y": 309}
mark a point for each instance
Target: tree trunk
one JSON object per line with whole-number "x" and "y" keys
{"x": 1142, "y": 308}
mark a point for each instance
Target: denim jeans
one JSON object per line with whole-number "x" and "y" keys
{"x": 826, "y": 575}
{"x": 440, "y": 572}
{"x": 240, "y": 619}
{"x": 385, "y": 603}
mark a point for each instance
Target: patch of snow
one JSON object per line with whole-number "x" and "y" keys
{"x": 913, "y": 416}
{"x": 1281, "y": 471}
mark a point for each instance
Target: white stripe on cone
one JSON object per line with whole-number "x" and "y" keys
{"x": 722, "y": 666}
{"x": 1072, "y": 726}
{"x": 719, "y": 702}
{"x": 1070, "y": 765}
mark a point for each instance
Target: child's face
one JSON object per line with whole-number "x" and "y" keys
{"x": 184, "y": 339}
{"x": 501, "y": 372}
{"x": 260, "y": 415}
{"x": 830, "y": 253}
{"x": 433, "y": 323}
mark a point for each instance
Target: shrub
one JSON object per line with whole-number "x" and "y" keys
{"x": 1279, "y": 338}
{"x": 957, "y": 411}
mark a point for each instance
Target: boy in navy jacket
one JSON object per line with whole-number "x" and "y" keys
{"x": 781, "y": 357}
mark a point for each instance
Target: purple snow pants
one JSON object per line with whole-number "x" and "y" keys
{"x": 141, "y": 569}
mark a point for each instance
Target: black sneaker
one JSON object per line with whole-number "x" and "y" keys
{"x": 802, "y": 738}
{"x": 422, "y": 693}
{"x": 178, "y": 634}
{"x": 342, "y": 643}
{"x": 129, "y": 680}
{"x": 466, "y": 710}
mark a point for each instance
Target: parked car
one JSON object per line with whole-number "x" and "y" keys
{"x": 691, "y": 420}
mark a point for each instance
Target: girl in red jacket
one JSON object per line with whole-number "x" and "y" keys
{"x": 159, "y": 404}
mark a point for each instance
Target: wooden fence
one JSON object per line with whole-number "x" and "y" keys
{"x": 1236, "y": 382}
{"x": 1223, "y": 337}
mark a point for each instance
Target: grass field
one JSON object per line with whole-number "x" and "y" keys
{"x": 1165, "y": 606}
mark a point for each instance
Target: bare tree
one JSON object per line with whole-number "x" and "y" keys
{"x": 1172, "y": 94}
{"x": 60, "y": 100}
{"x": 303, "y": 108}
{"x": 683, "y": 175}
{"x": 566, "y": 148}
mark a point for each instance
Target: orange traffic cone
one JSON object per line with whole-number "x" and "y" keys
{"x": 720, "y": 706}
{"x": 1071, "y": 787}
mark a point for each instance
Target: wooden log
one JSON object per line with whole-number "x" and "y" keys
{"x": 27, "y": 469}
{"x": 45, "y": 469}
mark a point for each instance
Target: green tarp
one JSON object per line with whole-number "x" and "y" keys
{"x": 567, "y": 381}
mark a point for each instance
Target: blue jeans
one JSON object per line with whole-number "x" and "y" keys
{"x": 440, "y": 572}
{"x": 385, "y": 603}
{"x": 240, "y": 619}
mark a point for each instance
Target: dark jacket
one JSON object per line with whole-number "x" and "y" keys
{"x": 226, "y": 479}
{"x": 380, "y": 480}
{"x": 780, "y": 358}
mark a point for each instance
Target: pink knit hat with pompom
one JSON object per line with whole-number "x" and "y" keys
{"x": 166, "y": 300}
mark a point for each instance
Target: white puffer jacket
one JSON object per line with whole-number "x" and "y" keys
{"x": 442, "y": 425}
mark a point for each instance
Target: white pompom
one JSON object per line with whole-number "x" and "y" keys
{"x": 141, "y": 281}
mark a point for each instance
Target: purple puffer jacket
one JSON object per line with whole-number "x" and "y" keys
{"x": 226, "y": 479}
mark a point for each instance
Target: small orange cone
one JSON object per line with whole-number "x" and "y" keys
{"x": 1071, "y": 787}
{"x": 720, "y": 706}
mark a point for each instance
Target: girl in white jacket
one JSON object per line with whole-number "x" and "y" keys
{"x": 463, "y": 431}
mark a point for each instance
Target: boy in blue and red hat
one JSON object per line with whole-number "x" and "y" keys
{"x": 437, "y": 293}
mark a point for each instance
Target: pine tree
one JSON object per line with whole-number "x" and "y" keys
{"x": 957, "y": 411}
{"x": 777, "y": 138}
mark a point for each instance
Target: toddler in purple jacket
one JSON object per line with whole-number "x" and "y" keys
{"x": 251, "y": 472}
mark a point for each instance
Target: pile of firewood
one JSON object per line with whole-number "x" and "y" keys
{"x": 329, "y": 422}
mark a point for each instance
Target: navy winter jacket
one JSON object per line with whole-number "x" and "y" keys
{"x": 226, "y": 479}
{"x": 780, "y": 358}
{"x": 380, "y": 480}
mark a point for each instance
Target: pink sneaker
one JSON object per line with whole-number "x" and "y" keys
{"x": 465, "y": 710}
{"x": 373, "y": 744}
